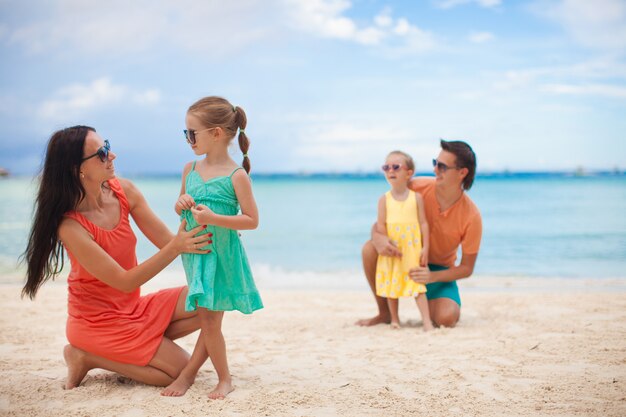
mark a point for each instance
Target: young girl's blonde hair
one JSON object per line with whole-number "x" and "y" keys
{"x": 218, "y": 112}
{"x": 408, "y": 160}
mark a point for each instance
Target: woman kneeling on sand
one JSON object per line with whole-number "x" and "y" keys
{"x": 81, "y": 206}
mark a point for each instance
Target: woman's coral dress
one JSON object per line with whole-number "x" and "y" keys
{"x": 124, "y": 327}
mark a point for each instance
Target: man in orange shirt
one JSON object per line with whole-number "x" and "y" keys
{"x": 453, "y": 220}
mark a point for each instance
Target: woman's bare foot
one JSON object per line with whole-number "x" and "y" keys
{"x": 395, "y": 325}
{"x": 178, "y": 388}
{"x": 76, "y": 367}
{"x": 373, "y": 321}
{"x": 221, "y": 390}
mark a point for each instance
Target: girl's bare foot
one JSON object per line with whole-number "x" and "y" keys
{"x": 221, "y": 390}
{"x": 178, "y": 388}
{"x": 428, "y": 326}
{"x": 395, "y": 325}
{"x": 76, "y": 367}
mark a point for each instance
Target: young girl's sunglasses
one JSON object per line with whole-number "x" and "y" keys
{"x": 102, "y": 153}
{"x": 391, "y": 167}
{"x": 190, "y": 134}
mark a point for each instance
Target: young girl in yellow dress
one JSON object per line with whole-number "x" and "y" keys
{"x": 401, "y": 216}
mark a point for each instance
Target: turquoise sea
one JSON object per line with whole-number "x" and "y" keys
{"x": 535, "y": 225}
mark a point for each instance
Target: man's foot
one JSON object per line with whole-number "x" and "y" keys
{"x": 373, "y": 321}
{"x": 76, "y": 367}
{"x": 178, "y": 388}
{"x": 221, "y": 390}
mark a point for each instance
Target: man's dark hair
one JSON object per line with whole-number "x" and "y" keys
{"x": 465, "y": 158}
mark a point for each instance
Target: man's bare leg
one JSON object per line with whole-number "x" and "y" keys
{"x": 370, "y": 257}
{"x": 444, "y": 312}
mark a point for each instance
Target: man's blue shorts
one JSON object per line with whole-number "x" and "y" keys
{"x": 442, "y": 289}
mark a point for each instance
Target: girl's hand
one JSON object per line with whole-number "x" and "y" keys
{"x": 424, "y": 259}
{"x": 185, "y": 202}
{"x": 187, "y": 241}
{"x": 202, "y": 214}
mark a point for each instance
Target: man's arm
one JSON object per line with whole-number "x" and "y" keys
{"x": 380, "y": 240}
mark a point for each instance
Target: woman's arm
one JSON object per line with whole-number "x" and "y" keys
{"x": 249, "y": 217}
{"x": 148, "y": 222}
{"x": 102, "y": 266}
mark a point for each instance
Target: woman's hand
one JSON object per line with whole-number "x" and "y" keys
{"x": 187, "y": 240}
{"x": 185, "y": 202}
{"x": 202, "y": 214}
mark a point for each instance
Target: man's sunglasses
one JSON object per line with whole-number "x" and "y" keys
{"x": 102, "y": 153}
{"x": 441, "y": 166}
{"x": 391, "y": 167}
{"x": 190, "y": 134}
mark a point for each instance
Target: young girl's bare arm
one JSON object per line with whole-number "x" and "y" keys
{"x": 381, "y": 220}
{"x": 249, "y": 217}
{"x": 421, "y": 213}
{"x": 185, "y": 201}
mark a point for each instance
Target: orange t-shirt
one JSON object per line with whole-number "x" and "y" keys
{"x": 460, "y": 224}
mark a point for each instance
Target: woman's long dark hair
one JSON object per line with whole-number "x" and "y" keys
{"x": 59, "y": 191}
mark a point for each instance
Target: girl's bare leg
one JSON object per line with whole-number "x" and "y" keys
{"x": 422, "y": 306}
{"x": 188, "y": 375}
{"x": 211, "y": 323}
{"x": 393, "y": 310}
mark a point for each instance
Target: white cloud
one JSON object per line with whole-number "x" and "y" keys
{"x": 590, "y": 73}
{"x": 597, "y": 24}
{"x": 449, "y": 4}
{"x": 384, "y": 18}
{"x": 481, "y": 37}
{"x": 119, "y": 27}
{"x": 77, "y": 99}
{"x": 356, "y": 144}
{"x": 326, "y": 19}
{"x": 601, "y": 90}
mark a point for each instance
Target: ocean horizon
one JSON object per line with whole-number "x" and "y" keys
{"x": 535, "y": 224}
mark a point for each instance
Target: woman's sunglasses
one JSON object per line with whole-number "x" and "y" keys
{"x": 190, "y": 134}
{"x": 102, "y": 153}
{"x": 391, "y": 167}
{"x": 441, "y": 166}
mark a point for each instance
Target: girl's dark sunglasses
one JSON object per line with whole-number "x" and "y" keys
{"x": 190, "y": 134}
{"x": 102, "y": 153}
{"x": 392, "y": 167}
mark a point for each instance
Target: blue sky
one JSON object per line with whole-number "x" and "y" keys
{"x": 328, "y": 85}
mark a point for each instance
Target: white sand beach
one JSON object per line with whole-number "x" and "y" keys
{"x": 523, "y": 347}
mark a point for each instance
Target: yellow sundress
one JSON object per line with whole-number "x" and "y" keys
{"x": 403, "y": 228}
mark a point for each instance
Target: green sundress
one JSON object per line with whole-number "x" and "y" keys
{"x": 220, "y": 280}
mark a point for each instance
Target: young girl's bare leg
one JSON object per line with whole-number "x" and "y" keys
{"x": 393, "y": 310}
{"x": 187, "y": 377}
{"x": 211, "y": 324}
{"x": 422, "y": 306}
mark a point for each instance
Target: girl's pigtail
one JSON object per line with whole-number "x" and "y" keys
{"x": 244, "y": 142}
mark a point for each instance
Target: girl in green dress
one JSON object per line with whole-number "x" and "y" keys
{"x": 213, "y": 191}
